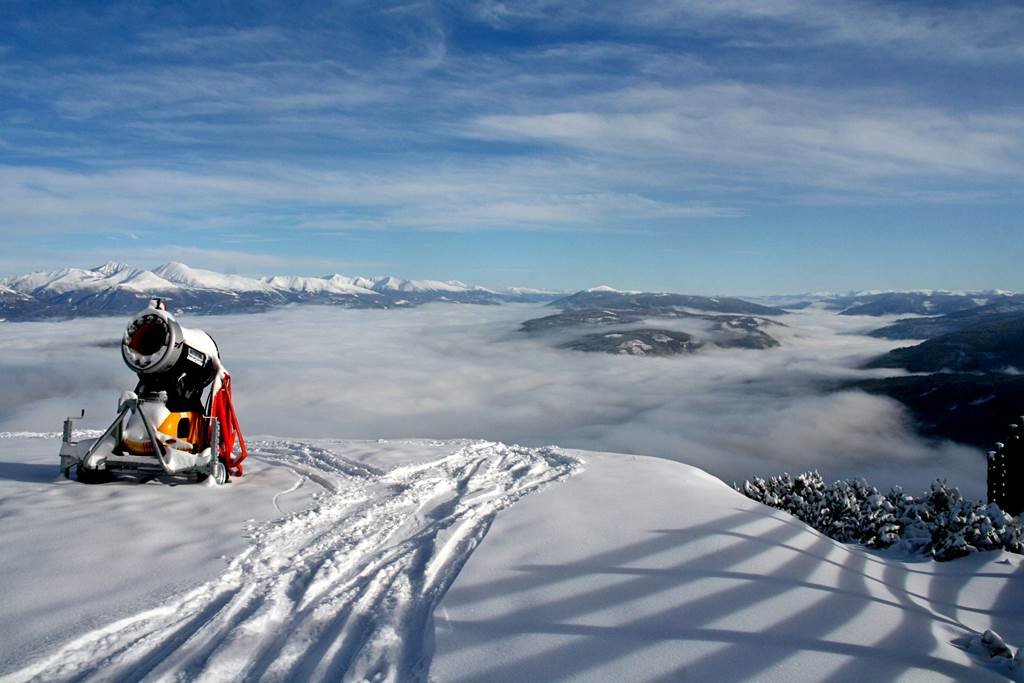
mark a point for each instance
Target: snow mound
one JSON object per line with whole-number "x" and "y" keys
{"x": 993, "y": 651}
{"x": 521, "y": 291}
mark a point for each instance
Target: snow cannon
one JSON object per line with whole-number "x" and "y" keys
{"x": 166, "y": 425}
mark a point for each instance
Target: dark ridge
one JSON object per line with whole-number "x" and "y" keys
{"x": 1010, "y": 308}
{"x": 651, "y": 303}
{"x": 994, "y": 346}
{"x": 970, "y": 409}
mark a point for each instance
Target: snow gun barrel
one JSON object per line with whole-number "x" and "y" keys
{"x": 168, "y": 357}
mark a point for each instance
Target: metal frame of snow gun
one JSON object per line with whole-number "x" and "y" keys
{"x": 68, "y": 458}
{"x": 109, "y": 456}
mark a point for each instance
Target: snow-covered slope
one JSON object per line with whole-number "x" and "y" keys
{"x": 146, "y": 281}
{"x": 199, "y": 278}
{"x": 643, "y": 569}
{"x": 532, "y": 291}
{"x": 8, "y": 294}
{"x": 46, "y": 284}
{"x": 393, "y": 284}
{"x": 462, "y": 561}
{"x": 336, "y": 284}
{"x": 609, "y": 290}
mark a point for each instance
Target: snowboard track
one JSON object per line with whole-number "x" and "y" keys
{"x": 344, "y": 590}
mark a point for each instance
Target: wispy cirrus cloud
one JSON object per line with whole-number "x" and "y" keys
{"x": 530, "y": 116}
{"x": 274, "y": 94}
{"x": 972, "y": 33}
{"x": 943, "y": 33}
{"x": 487, "y": 196}
{"x": 809, "y": 137}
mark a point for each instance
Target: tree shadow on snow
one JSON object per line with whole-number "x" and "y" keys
{"x": 734, "y": 622}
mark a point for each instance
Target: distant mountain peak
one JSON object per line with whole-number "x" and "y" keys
{"x": 112, "y": 268}
{"x": 178, "y": 272}
{"x": 610, "y": 290}
{"x": 533, "y": 291}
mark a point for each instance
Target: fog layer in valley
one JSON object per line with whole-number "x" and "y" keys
{"x": 446, "y": 371}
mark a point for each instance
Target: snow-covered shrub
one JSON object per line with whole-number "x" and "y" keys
{"x": 991, "y": 648}
{"x": 939, "y": 523}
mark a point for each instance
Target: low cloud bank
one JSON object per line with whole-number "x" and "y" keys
{"x": 447, "y": 371}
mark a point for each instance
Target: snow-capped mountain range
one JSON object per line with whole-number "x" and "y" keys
{"x": 117, "y": 288}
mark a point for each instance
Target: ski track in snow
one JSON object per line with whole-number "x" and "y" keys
{"x": 344, "y": 590}
{"x": 300, "y": 479}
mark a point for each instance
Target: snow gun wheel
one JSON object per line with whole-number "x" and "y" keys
{"x": 85, "y": 475}
{"x": 220, "y": 472}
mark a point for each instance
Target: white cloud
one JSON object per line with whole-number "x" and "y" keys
{"x": 805, "y": 136}
{"x": 330, "y": 127}
{"x": 487, "y": 195}
{"x": 210, "y": 42}
{"x": 943, "y": 33}
{"x": 634, "y": 151}
{"x": 451, "y": 371}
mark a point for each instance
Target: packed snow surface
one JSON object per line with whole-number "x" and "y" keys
{"x": 461, "y": 561}
{"x": 346, "y": 586}
{"x": 646, "y": 570}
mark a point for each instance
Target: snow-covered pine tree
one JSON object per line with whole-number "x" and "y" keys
{"x": 940, "y": 523}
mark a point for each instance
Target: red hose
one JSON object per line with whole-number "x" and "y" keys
{"x": 223, "y": 409}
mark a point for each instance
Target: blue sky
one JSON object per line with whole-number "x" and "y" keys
{"x": 730, "y": 147}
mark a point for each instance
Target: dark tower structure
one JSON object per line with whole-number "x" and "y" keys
{"x": 1006, "y": 471}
